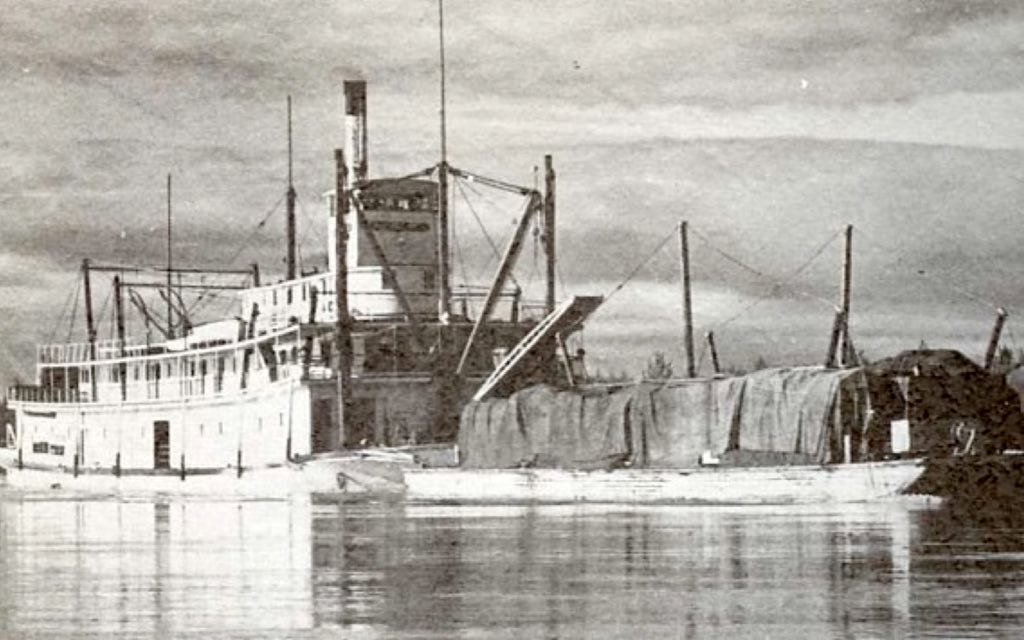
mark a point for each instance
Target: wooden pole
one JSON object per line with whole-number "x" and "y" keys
{"x": 443, "y": 276}
{"x": 255, "y": 274}
{"x": 684, "y": 262}
{"x": 122, "y": 367}
{"x": 549, "y": 233}
{"x": 993, "y": 341}
{"x": 833, "y": 343}
{"x": 342, "y": 322}
{"x": 844, "y": 306}
{"x": 170, "y": 293}
{"x": 710, "y": 336}
{"x": 90, "y": 326}
{"x": 290, "y": 199}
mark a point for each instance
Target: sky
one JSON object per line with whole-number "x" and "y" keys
{"x": 768, "y": 126}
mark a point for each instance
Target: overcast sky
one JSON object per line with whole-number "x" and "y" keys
{"x": 767, "y": 125}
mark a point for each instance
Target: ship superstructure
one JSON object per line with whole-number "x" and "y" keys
{"x": 261, "y": 387}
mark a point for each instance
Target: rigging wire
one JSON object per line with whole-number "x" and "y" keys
{"x": 248, "y": 239}
{"x": 74, "y": 314}
{"x": 784, "y": 282}
{"x": 496, "y": 254}
{"x": 640, "y": 265}
{"x": 943, "y": 283}
{"x": 63, "y": 312}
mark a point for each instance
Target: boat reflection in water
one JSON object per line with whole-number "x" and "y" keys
{"x": 280, "y": 569}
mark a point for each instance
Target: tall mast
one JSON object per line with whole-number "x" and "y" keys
{"x": 549, "y": 234}
{"x": 170, "y": 305}
{"x": 444, "y": 284}
{"x": 684, "y": 267}
{"x": 290, "y": 197}
{"x": 844, "y": 295}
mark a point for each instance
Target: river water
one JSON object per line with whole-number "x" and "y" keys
{"x": 74, "y": 568}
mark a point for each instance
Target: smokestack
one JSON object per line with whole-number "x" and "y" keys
{"x": 355, "y": 130}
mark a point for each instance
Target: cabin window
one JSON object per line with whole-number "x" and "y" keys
{"x": 57, "y": 449}
{"x": 275, "y": 296}
{"x": 40, "y": 447}
{"x": 192, "y": 368}
{"x": 288, "y": 295}
{"x": 85, "y": 375}
{"x": 304, "y": 287}
{"x": 114, "y": 374}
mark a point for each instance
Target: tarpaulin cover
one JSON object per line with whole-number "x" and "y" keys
{"x": 785, "y": 411}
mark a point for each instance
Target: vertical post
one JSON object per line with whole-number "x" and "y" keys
{"x": 117, "y": 465}
{"x": 170, "y": 265}
{"x": 255, "y": 274}
{"x": 684, "y": 261}
{"x": 183, "y": 467}
{"x": 76, "y": 465}
{"x": 90, "y": 327}
{"x": 844, "y": 306}
{"x": 443, "y": 277}
{"x": 342, "y": 322}
{"x": 290, "y": 199}
{"x": 993, "y": 341}
{"x": 710, "y": 336}
{"x": 833, "y": 343}
{"x": 122, "y": 367}
{"x": 549, "y": 233}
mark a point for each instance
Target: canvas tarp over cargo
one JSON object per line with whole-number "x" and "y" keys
{"x": 798, "y": 414}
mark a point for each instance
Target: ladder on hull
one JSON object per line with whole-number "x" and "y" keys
{"x": 565, "y": 319}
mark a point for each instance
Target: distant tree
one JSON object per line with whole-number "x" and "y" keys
{"x": 923, "y": 346}
{"x": 760, "y": 363}
{"x": 658, "y": 367}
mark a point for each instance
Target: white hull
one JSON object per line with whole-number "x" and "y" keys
{"x": 330, "y": 476}
{"x": 380, "y": 475}
{"x": 859, "y": 482}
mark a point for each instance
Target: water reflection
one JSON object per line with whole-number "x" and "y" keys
{"x": 276, "y": 569}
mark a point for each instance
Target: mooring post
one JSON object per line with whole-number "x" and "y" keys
{"x": 238, "y": 463}
{"x": 993, "y": 341}
{"x": 76, "y": 465}
{"x": 684, "y": 263}
{"x": 183, "y": 467}
{"x": 117, "y": 465}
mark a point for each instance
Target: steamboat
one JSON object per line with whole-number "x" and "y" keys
{"x": 376, "y": 377}
{"x": 251, "y": 401}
